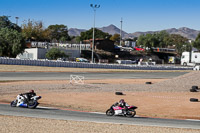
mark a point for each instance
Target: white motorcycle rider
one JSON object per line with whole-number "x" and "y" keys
{"x": 28, "y": 100}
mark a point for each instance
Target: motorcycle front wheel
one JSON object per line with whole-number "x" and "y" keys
{"x": 13, "y": 104}
{"x": 110, "y": 112}
{"x": 131, "y": 113}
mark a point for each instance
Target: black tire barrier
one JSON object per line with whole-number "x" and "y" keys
{"x": 119, "y": 93}
{"x": 148, "y": 83}
{"x": 194, "y": 100}
{"x": 195, "y": 87}
{"x": 193, "y": 90}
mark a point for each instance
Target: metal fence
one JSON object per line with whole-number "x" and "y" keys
{"x": 50, "y": 63}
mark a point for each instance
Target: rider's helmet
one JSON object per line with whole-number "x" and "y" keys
{"x": 31, "y": 91}
{"x": 122, "y": 101}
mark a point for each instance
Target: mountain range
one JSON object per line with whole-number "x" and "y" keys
{"x": 112, "y": 29}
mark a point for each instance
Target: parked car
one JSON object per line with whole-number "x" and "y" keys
{"x": 61, "y": 59}
{"x": 138, "y": 49}
{"x": 81, "y": 60}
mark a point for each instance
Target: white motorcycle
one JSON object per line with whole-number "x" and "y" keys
{"x": 21, "y": 101}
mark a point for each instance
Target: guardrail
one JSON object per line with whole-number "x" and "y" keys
{"x": 50, "y": 63}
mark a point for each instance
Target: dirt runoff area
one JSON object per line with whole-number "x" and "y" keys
{"x": 164, "y": 98}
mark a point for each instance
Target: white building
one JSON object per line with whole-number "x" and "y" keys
{"x": 40, "y": 53}
{"x": 130, "y": 44}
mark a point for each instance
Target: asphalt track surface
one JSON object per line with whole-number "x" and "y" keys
{"x": 88, "y": 75}
{"x": 52, "y": 113}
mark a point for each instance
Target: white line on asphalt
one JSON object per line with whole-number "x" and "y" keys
{"x": 192, "y": 120}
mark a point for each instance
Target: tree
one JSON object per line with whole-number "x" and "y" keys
{"x": 5, "y": 22}
{"x": 162, "y": 39}
{"x": 77, "y": 39}
{"x": 135, "y": 39}
{"x": 35, "y": 30}
{"x": 196, "y": 43}
{"x": 98, "y": 34}
{"x": 12, "y": 41}
{"x": 55, "y": 53}
{"x": 181, "y": 43}
{"x": 115, "y": 38}
{"x": 148, "y": 40}
{"x": 58, "y": 33}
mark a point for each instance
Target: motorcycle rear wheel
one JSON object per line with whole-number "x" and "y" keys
{"x": 32, "y": 104}
{"x": 13, "y": 104}
{"x": 131, "y": 113}
{"x": 109, "y": 112}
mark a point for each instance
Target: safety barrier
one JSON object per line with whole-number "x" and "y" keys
{"x": 50, "y": 63}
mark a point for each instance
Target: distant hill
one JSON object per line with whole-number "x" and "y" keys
{"x": 184, "y": 31}
{"x": 75, "y": 31}
{"x": 112, "y": 29}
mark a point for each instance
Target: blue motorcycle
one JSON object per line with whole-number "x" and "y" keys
{"x": 21, "y": 101}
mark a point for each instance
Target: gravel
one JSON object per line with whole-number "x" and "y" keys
{"x": 178, "y": 84}
{"x": 12, "y": 124}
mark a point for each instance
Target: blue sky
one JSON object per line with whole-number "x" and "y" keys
{"x": 138, "y": 15}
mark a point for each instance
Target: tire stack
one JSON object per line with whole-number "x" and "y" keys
{"x": 119, "y": 93}
{"x": 194, "y": 100}
{"x": 194, "y": 89}
{"x": 148, "y": 82}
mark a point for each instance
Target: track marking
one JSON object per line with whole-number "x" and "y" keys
{"x": 98, "y": 113}
{"x": 192, "y": 119}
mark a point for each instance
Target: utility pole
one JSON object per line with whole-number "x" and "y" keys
{"x": 94, "y": 8}
{"x": 80, "y": 46}
{"x": 121, "y": 33}
{"x": 16, "y": 20}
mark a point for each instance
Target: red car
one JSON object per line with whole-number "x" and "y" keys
{"x": 138, "y": 49}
